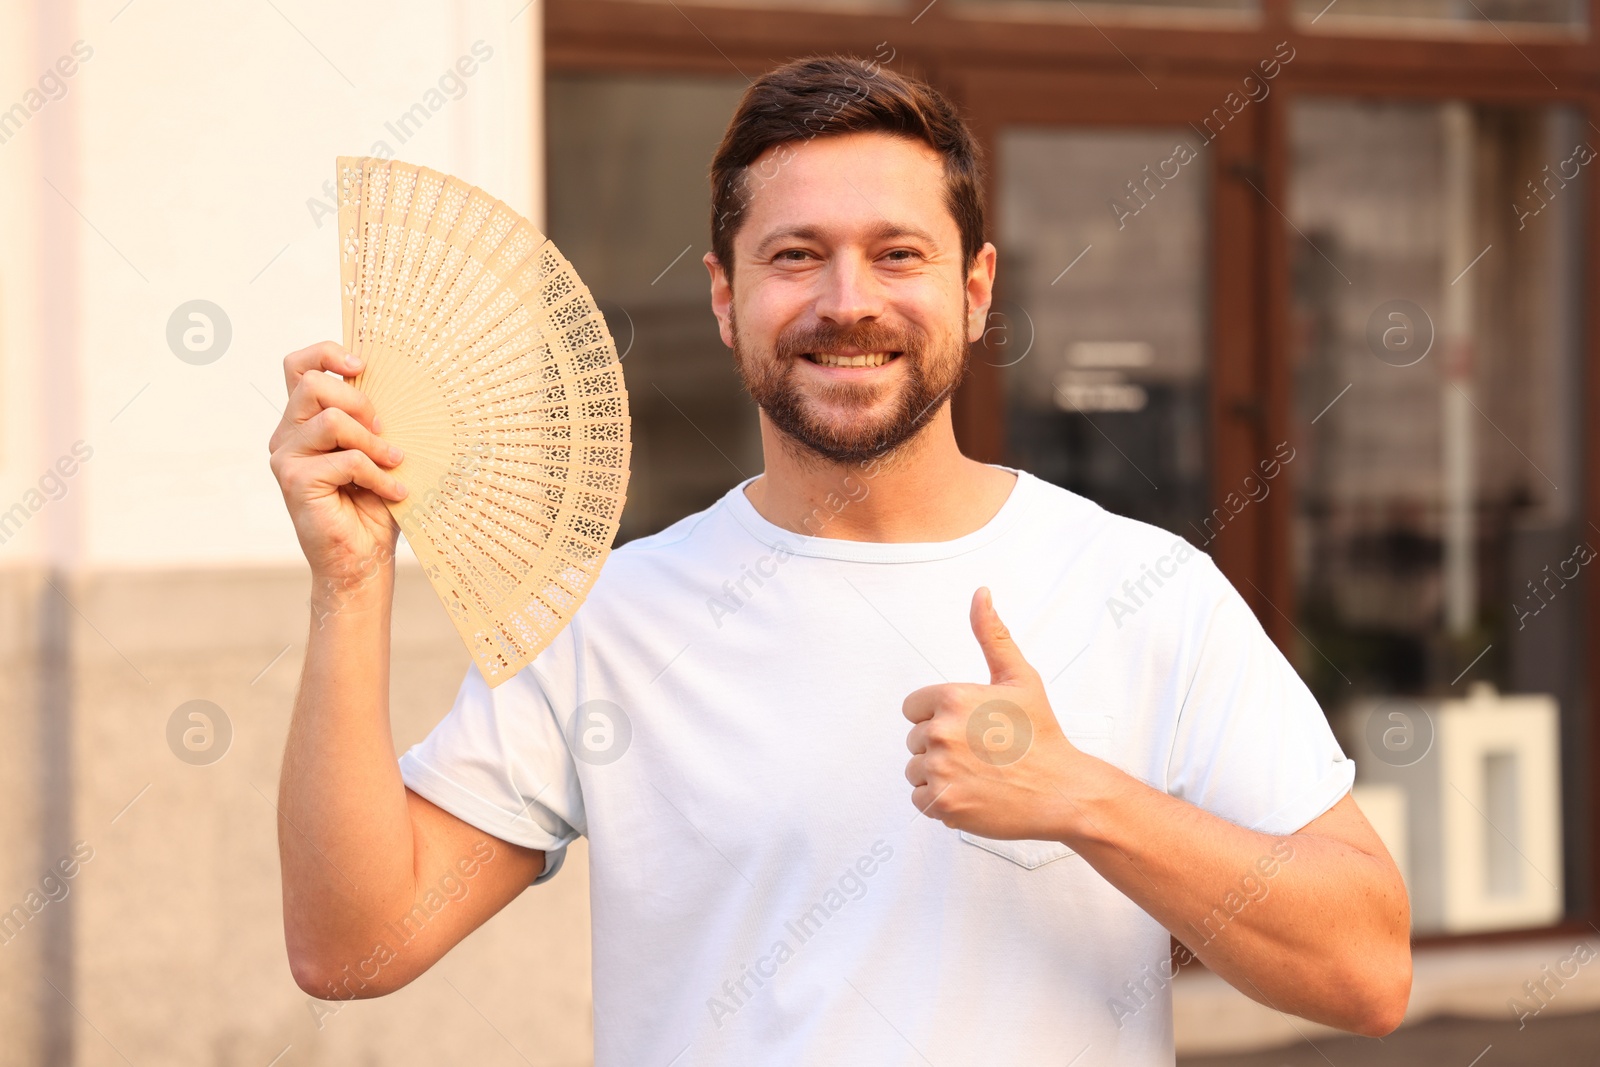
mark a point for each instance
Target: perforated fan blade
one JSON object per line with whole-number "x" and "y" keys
{"x": 489, "y": 364}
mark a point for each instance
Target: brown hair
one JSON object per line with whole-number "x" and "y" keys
{"x": 822, "y": 95}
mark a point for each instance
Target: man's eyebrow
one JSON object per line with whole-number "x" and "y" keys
{"x": 797, "y": 233}
{"x": 883, "y": 231}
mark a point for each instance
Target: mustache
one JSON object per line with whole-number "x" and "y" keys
{"x": 866, "y": 336}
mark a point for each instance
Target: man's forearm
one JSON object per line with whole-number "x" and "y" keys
{"x": 1305, "y": 923}
{"x": 345, "y": 833}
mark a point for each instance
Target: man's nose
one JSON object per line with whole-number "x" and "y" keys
{"x": 850, "y": 291}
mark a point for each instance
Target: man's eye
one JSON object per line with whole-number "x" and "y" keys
{"x": 902, "y": 255}
{"x": 793, "y": 255}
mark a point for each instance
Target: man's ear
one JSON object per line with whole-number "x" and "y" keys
{"x": 980, "y": 291}
{"x": 721, "y": 296}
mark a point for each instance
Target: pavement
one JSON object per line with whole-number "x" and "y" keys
{"x": 1548, "y": 1041}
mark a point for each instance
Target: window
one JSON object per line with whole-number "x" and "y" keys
{"x": 1102, "y": 331}
{"x": 1439, "y": 537}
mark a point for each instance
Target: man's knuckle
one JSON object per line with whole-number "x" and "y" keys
{"x": 338, "y": 420}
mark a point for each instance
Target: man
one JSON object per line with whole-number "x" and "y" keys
{"x": 726, "y": 718}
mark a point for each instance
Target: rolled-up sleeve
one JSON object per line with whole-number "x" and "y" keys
{"x": 500, "y": 761}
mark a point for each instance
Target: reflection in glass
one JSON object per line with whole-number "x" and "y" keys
{"x": 1439, "y": 534}
{"x": 1101, "y": 319}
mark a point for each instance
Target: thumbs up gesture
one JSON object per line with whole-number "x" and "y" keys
{"x": 990, "y": 759}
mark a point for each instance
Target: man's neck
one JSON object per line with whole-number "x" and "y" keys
{"x": 925, "y": 490}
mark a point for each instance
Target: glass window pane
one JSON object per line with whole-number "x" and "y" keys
{"x": 629, "y": 204}
{"x": 1102, "y": 323}
{"x": 1439, "y": 534}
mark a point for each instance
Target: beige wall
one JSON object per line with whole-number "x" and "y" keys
{"x": 184, "y": 159}
{"x": 170, "y": 942}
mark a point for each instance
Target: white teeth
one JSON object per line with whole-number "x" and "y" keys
{"x": 874, "y": 359}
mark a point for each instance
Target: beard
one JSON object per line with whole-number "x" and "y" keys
{"x": 849, "y": 422}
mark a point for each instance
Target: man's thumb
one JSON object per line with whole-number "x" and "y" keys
{"x": 1006, "y": 663}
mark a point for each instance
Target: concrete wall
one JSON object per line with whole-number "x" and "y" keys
{"x": 168, "y": 946}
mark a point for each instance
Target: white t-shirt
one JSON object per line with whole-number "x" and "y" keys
{"x": 722, "y": 719}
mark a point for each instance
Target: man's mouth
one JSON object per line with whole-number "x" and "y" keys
{"x": 864, "y": 359}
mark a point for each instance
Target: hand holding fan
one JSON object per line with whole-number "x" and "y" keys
{"x": 490, "y": 366}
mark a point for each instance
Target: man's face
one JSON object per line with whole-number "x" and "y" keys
{"x": 851, "y": 315}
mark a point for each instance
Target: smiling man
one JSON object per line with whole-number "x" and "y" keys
{"x": 838, "y": 811}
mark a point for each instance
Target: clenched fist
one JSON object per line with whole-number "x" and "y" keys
{"x": 991, "y": 759}
{"x": 335, "y": 471}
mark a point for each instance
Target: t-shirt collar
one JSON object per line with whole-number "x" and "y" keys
{"x": 822, "y": 546}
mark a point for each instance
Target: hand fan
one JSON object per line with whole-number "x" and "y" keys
{"x": 490, "y": 366}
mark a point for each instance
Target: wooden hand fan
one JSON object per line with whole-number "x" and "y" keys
{"x": 490, "y": 366}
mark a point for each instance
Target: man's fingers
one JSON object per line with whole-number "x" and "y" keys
{"x": 917, "y": 738}
{"x": 325, "y": 355}
{"x": 923, "y": 704}
{"x": 317, "y": 393}
{"x": 916, "y": 771}
{"x": 1007, "y": 666}
{"x": 333, "y": 429}
{"x": 919, "y": 705}
{"x": 344, "y": 468}
{"x": 927, "y": 799}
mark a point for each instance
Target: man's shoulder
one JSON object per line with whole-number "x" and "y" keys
{"x": 1129, "y": 567}
{"x": 696, "y": 541}
{"x": 676, "y": 540}
{"x": 1112, "y": 539}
